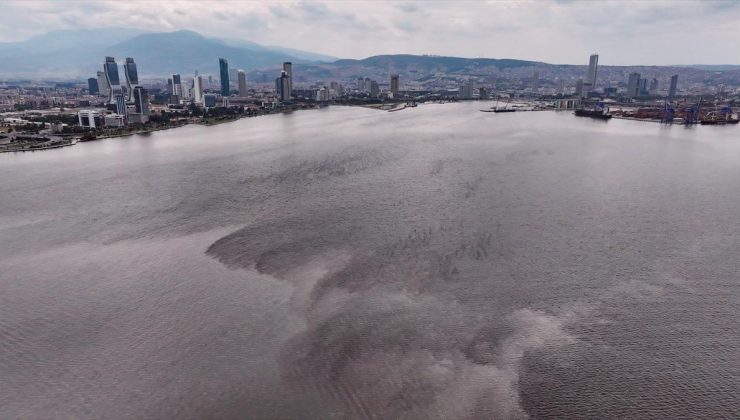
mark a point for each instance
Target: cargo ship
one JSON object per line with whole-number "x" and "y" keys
{"x": 718, "y": 121}
{"x": 593, "y": 113}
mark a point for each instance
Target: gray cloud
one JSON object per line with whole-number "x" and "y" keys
{"x": 623, "y": 32}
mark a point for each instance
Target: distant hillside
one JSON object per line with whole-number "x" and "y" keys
{"x": 410, "y": 67}
{"x": 80, "y": 53}
{"x": 404, "y": 62}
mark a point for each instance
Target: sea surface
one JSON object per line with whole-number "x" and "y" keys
{"x": 433, "y": 263}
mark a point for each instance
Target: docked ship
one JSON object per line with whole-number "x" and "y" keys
{"x": 712, "y": 121}
{"x": 600, "y": 114}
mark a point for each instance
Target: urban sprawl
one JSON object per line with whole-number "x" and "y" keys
{"x": 40, "y": 115}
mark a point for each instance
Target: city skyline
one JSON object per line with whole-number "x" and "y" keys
{"x": 558, "y": 32}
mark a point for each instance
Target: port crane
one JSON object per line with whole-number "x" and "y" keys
{"x": 668, "y": 112}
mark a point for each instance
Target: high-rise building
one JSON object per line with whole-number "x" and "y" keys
{"x": 103, "y": 87}
{"x": 92, "y": 86}
{"x": 593, "y": 65}
{"x": 223, "y": 65}
{"x": 360, "y": 84}
{"x": 288, "y": 69}
{"x": 141, "y": 100}
{"x": 198, "y": 89}
{"x": 111, "y": 76}
{"x": 484, "y": 93}
{"x": 242, "y": 79}
{"x": 394, "y": 85}
{"x": 643, "y": 87}
{"x": 374, "y": 89}
{"x": 177, "y": 85}
{"x": 465, "y": 91}
{"x": 674, "y": 87}
{"x": 560, "y": 87}
{"x": 282, "y": 87}
{"x": 132, "y": 77}
{"x": 209, "y": 100}
{"x": 170, "y": 87}
{"x": 580, "y": 88}
{"x": 633, "y": 85}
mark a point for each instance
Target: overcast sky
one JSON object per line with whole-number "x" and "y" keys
{"x": 565, "y": 31}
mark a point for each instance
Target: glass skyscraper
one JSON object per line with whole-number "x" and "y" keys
{"x": 224, "y": 71}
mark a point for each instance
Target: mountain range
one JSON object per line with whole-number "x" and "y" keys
{"x": 80, "y": 53}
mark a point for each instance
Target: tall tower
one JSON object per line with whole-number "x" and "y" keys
{"x": 593, "y": 64}
{"x": 242, "y": 79}
{"x": 110, "y": 68}
{"x": 141, "y": 100}
{"x": 92, "y": 86}
{"x": 394, "y": 85}
{"x": 132, "y": 77}
{"x": 177, "y": 85}
{"x": 223, "y": 65}
{"x": 288, "y": 69}
{"x": 633, "y": 85}
{"x": 674, "y": 87}
{"x": 198, "y": 89}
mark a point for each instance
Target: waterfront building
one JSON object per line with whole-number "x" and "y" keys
{"x": 633, "y": 85}
{"x": 115, "y": 120}
{"x": 465, "y": 91}
{"x": 484, "y": 93}
{"x": 674, "y": 87}
{"x": 374, "y": 89}
{"x": 288, "y": 69}
{"x": 92, "y": 86}
{"x": 360, "y": 84}
{"x": 643, "y": 87}
{"x": 132, "y": 77}
{"x": 242, "y": 79}
{"x": 120, "y": 101}
{"x": 90, "y": 118}
{"x": 170, "y": 87}
{"x": 322, "y": 95}
{"x": 198, "y": 89}
{"x": 233, "y": 74}
{"x": 223, "y": 65}
{"x": 209, "y": 100}
{"x": 103, "y": 87}
{"x": 141, "y": 100}
{"x": 394, "y": 85}
{"x": 110, "y": 68}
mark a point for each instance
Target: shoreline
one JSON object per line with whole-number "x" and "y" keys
{"x": 378, "y": 107}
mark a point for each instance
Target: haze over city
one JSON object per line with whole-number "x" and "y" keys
{"x": 625, "y": 32}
